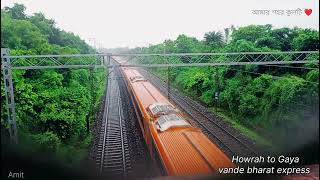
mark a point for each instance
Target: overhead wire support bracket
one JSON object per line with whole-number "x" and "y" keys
{"x": 102, "y": 60}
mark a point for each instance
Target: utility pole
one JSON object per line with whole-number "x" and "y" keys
{"x": 92, "y": 101}
{"x": 7, "y": 77}
{"x": 217, "y": 93}
{"x": 168, "y": 71}
{"x": 168, "y": 83}
{"x": 93, "y": 42}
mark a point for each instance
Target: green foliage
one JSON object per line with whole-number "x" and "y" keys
{"x": 251, "y": 33}
{"x": 17, "y": 11}
{"x": 214, "y": 39}
{"x": 52, "y": 106}
{"x": 313, "y": 76}
{"x": 231, "y": 95}
{"x": 47, "y": 141}
{"x": 282, "y": 92}
{"x": 243, "y": 46}
{"x": 260, "y": 84}
{"x": 284, "y": 37}
{"x": 268, "y": 42}
{"x": 21, "y": 34}
{"x": 257, "y": 96}
{"x": 307, "y": 40}
{"x": 248, "y": 104}
{"x": 207, "y": 97}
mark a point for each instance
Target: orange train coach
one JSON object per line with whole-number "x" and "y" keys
{"x": 183, "y": 149}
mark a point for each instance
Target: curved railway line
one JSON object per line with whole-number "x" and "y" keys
{"x": 233, "y": 145}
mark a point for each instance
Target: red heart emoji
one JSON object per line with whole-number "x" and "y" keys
{"x": 308, "y": 11}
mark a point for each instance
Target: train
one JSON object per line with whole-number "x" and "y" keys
{"x": 182, "y": 149}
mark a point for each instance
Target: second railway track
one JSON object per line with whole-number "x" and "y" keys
{"x": 113, "y": 156}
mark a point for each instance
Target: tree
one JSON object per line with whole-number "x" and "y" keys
{"x": 17, "y": 11}
{"x": 51, "y": 105}
{"x": 268, "y": 42}
{"x": 242, "y": 46}
{"x": 284, "y": 37}
{"x": 251, "y": 33}
{"x": 214, "y": 39}
{"x": 21, "y": 34}
{"x": 185, "y": 44}
{"x": 46, "y": 26}
{"x": 306, "y": 40}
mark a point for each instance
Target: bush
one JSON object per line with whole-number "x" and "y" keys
{"x": 47, "y": 141}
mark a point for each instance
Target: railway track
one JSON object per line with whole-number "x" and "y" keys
{"x": 228, "y": 141}
{"x": 113, "y": 158}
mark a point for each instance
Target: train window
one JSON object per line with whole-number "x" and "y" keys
{"x": 158, "y": 109}
{"x": 172, "y": 120}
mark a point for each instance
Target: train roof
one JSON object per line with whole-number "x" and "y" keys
{"x": 147, "y": 93}
{"x": 190, "y": 152}
{"x": 184, "y": 149}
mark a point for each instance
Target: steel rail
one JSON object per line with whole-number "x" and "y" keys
{"x": 223, "y": 129}
{"x": 115, "y": 156}
{"x": 105, "y": 119}
{"x": 121, "y": 134}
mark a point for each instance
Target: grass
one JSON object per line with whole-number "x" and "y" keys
{"x": 251, "y": 134}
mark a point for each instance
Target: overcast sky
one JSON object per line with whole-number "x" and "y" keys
{"x": 120, "y": 23}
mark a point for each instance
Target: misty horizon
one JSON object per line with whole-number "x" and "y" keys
{"x": 121, "y": 24}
